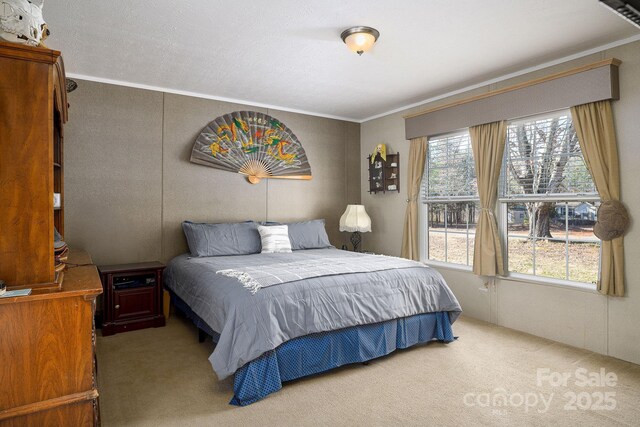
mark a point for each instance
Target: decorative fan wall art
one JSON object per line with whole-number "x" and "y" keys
{"x": 253, "y": 144}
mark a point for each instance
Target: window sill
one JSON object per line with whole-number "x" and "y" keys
{"x": 448, "y": 265}
{"x": 523, "y": 278}
{"x": 546, "y": 281}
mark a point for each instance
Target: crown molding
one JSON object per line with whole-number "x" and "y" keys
{"x": 206, "y": 96}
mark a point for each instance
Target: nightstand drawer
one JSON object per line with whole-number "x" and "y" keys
{"x": 134, "y": 303}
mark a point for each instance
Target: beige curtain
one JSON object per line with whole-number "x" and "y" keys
{"x": 594, "y": 125}
{"x": 417, "y": 156}
{"x": 488, "y": 142}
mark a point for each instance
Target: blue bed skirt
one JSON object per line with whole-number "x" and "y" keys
{"x": 315, "y": 353}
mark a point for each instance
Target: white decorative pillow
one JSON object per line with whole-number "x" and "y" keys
{"x": 275, "y": 238}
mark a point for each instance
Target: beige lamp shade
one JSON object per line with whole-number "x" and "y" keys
{"x": 354, "y": 219}
{"x": 360, "y": 39}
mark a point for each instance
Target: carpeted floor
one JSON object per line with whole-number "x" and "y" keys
{"x": 489, "y": 376}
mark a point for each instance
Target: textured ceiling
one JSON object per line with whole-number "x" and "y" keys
{"x": 288, "y": 54}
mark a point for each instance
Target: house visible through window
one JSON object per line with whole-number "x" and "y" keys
{"x": 549, "y": 201}
{"x": 451, "y": 193}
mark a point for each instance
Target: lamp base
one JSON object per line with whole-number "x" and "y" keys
{"x": 356, "y": 238}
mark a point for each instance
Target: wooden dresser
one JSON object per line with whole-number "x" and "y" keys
{"x": 47, "y": 343}
{"x": 47, "y": 339}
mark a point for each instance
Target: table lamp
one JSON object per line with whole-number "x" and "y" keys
{"x": 355, "y": 220}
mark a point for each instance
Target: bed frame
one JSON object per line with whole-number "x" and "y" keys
{"x": 320, "y": 352}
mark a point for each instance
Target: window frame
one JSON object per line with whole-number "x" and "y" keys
{"x": 502, "y": 218}
{"x": 423, "y": 213}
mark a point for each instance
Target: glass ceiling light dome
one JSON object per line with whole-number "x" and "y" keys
{"x": 360, "y": 39}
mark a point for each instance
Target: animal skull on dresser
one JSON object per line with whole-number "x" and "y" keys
{"x": 21, "y": 22}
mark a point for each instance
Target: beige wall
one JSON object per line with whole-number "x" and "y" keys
{"x": 129, "y": 183}
{"x": 584, "y": 319}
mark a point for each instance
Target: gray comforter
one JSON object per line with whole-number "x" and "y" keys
{"x": 251, "y": 324}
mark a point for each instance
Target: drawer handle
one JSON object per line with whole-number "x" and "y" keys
{"x": 117, "y": 306}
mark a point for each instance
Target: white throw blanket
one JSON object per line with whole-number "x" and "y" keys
{"x": 261, "y": 276}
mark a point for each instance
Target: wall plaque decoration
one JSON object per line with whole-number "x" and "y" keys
{"x": 252, "y": 144}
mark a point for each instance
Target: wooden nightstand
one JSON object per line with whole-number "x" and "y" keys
{"x": 132, "y": 297}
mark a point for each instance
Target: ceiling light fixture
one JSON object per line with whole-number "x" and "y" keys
{"x": 360, "y": 39}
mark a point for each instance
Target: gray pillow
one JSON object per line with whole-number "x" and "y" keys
{"x": 308, "y": 235}
{"x": 240, "y": 238}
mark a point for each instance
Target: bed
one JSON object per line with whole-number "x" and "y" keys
{"x": 276, "y": 317}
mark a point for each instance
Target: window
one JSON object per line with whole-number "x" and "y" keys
{"x": 549, "y": 201}
{"x": 450, "y": 191}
